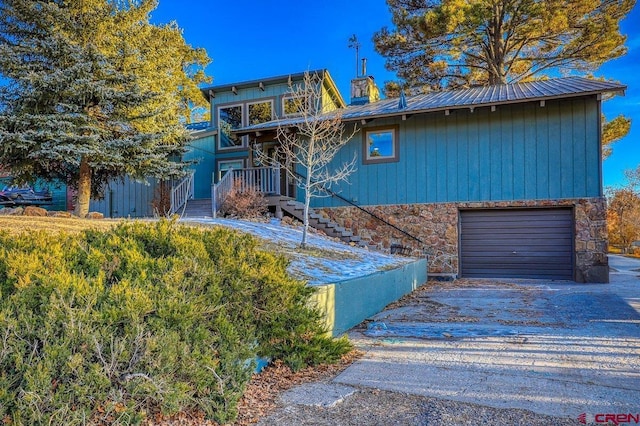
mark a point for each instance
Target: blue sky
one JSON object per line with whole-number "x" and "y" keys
{"x": 252, "y": 39}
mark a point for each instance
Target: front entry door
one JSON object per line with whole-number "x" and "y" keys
{"x": 287, "y": 184}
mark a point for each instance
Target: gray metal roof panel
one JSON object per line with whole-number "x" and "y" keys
{"x": 201, "y": 125}
{"x": 466, "y": 98}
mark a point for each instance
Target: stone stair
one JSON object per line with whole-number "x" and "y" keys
{"x": 197, "y": 208}
{"x": 321, "y": 223}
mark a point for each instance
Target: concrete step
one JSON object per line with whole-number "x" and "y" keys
{"x": 197, "y": 208}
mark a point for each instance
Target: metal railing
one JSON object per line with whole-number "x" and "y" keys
{"x": 373, "y": 215}
{"x": 181, "y": 192}
{"x": 264, "y": 179}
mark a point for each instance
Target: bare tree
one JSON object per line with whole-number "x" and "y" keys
{"x": 623, "y": 211}
{"x": 312, "y": 141}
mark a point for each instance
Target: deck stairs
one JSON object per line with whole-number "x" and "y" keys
{"x": 200, "y": 208}
{"x": 321, "y": 223}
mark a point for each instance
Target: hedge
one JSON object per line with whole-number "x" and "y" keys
{"x": 109, "y": 327}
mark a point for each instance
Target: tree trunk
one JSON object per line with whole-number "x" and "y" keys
{"x": 84, "y": 189}
{"x": 305, "y": 215}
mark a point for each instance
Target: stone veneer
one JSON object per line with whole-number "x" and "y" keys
{"x": 437, "y": 226}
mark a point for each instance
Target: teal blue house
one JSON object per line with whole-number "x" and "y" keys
{"x": 501, "y": 181}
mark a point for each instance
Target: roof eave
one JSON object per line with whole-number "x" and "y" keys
{"x": 256, "y": 83}
{"x": 409, "y": 111}
{"x": 402, "y": 112}
{"x": 203, "y": 133}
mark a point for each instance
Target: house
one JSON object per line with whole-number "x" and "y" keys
{"x": 501, "y": 181}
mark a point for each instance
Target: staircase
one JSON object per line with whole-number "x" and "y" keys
{"x": 321, "y": 223}
{"x": 197, "y": 208}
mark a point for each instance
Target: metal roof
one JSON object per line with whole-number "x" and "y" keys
{"x": 475, "y": 97}
{"x": 202, "y": 125}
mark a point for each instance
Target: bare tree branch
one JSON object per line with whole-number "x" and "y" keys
{"x": 312, "y": 143}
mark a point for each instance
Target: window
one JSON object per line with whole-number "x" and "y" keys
{"x": 293, "y": 105}
{"x": 229, "y": 118}
{"x": 260, "y": 112}
{"x": 380, "y": 145}
{"x": 224, "y": 166}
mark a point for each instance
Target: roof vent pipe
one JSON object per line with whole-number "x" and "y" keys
{"x": 364, "y": 67}
{"x": 402, "y": 103}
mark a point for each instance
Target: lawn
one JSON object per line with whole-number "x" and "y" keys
{"x": 17, "y": 224}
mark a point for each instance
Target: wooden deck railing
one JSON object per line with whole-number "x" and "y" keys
{"x": 181, "y": 192}
{"x": 264, "y": 179}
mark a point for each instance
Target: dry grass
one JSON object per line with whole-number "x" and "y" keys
{"x": 20, "y": 224}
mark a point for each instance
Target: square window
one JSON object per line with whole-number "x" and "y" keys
{"x": 260, "y": 112}
{"x": 229, "y": 119}
{"x": 293, "y": 105}
{"x": 380, "y": 145}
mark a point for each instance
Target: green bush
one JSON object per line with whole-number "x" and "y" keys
{"x": 105, "y": 327}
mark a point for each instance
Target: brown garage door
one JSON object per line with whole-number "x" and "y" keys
{"x": 519, "y": 243}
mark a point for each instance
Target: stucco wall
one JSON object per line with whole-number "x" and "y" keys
{"x": 437, "y": 225}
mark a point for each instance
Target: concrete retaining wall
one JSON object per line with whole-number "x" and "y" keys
{"x": 347, "y": 303}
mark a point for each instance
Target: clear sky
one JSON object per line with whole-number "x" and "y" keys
{"x": 252, "y": 39}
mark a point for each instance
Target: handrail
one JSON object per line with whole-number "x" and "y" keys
{"x": 264, "y": 179}
{"x": 182, "y": 192}
{"x": 333, "y": 194}
{"x": 220, "y": 190}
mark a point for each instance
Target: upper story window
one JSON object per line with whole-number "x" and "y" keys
{"x": 293, "y": 105}
{"x": 380, "y": 145}
{"x": 260, "y": 112}
{"x": 230, "y": 118}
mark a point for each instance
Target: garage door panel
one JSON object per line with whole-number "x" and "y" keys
{"x": 516, "y": 260}
{"x": 516, "y": 273}
{"x": 538, "y": 230}
{"x": 518, "y": 248}
{"x": 523, "y": 236}
{"x": 542, "y": 240}
{"x": 519, "y": 217}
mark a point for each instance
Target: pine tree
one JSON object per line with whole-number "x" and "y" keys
{"x": 454, "y": 43}
{"x": 82, "y": 105}
{"x": 451, "y": 43}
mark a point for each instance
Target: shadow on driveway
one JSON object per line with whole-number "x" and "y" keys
{"x": 555, "y": 348}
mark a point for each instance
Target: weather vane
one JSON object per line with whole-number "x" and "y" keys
{"x": 355, "y": 44}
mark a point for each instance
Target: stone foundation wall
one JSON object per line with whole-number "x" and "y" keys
{"x": 436, "y": 225}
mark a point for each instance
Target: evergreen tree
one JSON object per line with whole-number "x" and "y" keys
{"x": 454, "y": 43}
{"x": 94, "y": 93}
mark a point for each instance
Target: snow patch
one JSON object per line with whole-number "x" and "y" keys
{"x": 346, "y": 262}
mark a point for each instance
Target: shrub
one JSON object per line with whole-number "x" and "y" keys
{"x": 244, "y": 201}
{"x": 106, "y": 327}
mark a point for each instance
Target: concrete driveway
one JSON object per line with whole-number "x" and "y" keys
{"x": 556, "y": 348}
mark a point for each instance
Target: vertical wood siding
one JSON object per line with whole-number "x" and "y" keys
{"x": 517, "y": 152}
{"x": 129, "y": 198}
{"x": 203, "y": 151}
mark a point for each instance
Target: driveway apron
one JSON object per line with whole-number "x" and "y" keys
{"x": 556, "y": 348}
